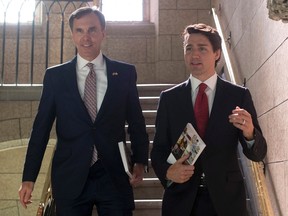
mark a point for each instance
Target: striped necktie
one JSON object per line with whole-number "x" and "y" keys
{"x": 90, "y": 100}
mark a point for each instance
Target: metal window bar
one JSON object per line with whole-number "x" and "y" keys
{"x": 8, "y": 28}
{"x": 12, "y": 56}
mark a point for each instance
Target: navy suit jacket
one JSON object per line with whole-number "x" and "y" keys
{"x": 219, "y": 160}
{"x": 77, "y": 134}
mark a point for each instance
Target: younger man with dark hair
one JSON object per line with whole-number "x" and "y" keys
{"x": 223, "y": 114}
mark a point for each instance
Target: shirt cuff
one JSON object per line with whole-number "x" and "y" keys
{"x": 250, "y": 143}
{"x": 169, "y": 182}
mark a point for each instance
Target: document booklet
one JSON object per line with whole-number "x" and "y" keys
{"x": 190, "y": 143}
{"x": 126, "y": 158}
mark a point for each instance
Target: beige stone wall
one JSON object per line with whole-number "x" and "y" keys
{"x": 16, "y": 119}
{"x": 173, "y": 16}
{"x": 155, "y": 48}
{"x": 10, "y": 180}
{"x": 259, "y": 47}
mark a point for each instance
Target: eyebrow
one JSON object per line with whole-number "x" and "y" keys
{"x": 202, "y": 45}
{"x": 89, "y": 29}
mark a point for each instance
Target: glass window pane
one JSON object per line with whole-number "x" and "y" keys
{"x": 14, "y": 7}
{"x": 123, "y": 10}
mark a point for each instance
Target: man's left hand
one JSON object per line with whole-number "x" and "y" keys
{"x": 137, "y": 175}
{"x": 242, "y": 119}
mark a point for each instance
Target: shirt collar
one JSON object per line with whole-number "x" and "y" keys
{"x": 98, "y": 62}
{"x": 211, "y": 82}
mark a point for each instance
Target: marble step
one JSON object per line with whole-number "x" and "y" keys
{"x": 144, "y": 207}
{"x": 148, "y": 207}
{"x": 150, "y": 188}
{"x": 149, "y": 102}
{"x": 150, "y": 116}
{"x": 150, "y": 129}
{"x": 152, "y": 89}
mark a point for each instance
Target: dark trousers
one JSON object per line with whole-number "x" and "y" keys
{"x": 203, "y": 205}
{"x": 99, "y": 191}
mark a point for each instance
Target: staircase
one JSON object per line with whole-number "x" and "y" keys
{"x": 148, "y": 195}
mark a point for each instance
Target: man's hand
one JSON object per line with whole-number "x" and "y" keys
{"x": 180, "y": 172}
{"x": 137, "y": 175}
{"x": 25, "y": 193}
{"x": 241, "y": 119}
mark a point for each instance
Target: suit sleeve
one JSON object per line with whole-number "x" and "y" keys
{"x": 40, "y": 132}
{"x": 162, "y": 142}
{"x": 259, "y": 149}
{"x": 136, "y": 124}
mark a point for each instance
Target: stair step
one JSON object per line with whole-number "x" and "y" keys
{"x": 148, "y": 195}
{"x": 150, "y": 116}
{"x": 152, "y": 89}
{"x": 150, "y": 129}
{"x": 148, "y": 207}
{"x": 144, "y": 207}
{"x": 150, "y": 173}
{"x": 149, "y": 103}
{"x": 150, "y": 188}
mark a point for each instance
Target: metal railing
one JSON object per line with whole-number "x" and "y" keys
{"x": 28, "y": 48}
{"x": 37, "y": 39}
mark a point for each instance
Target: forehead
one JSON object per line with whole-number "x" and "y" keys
{"x": 90, "y": 19}
{"x": 196, "y": 39}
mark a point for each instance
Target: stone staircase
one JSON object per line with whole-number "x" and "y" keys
{"x": 148, "y": 195}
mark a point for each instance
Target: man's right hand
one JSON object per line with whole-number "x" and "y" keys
{"x": 180, "y": 172}
{"x": 25, "y": 193}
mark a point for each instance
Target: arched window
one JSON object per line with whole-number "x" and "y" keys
{"x": 13, "y": 10}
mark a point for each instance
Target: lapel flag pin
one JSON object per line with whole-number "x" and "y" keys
{"x": 114, "y": 74}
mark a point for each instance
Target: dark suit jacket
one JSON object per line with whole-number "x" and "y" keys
{"x": 219, "y": 160}
{"x": 76, "y": 133}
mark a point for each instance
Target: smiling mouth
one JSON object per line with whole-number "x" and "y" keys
{"x": 195, "y": 64}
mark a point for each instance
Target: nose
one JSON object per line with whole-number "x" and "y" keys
{"x": 86, "y": 36}
{"x": 195, "y": 54}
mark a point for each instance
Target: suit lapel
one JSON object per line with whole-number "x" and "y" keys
{"x": 71, "y": 82}
{"x": 111, "y": 82}
{"x": 188, "y": 105}
{"x": 217, "y": 106}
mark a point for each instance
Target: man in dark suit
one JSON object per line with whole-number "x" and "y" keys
{"x": 78, "y": 182}
{"x": 214, "y": 185}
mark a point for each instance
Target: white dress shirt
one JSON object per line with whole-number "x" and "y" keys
{"x": 101, "y": 76}
{"x": 210, "y": 91}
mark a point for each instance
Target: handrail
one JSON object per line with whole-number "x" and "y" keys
{"x": 46, "y": 195}
{"x": 255, "y": 173}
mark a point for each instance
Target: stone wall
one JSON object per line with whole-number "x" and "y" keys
{"x": 259, "y": 47}
{"x": 154, "y": 47}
